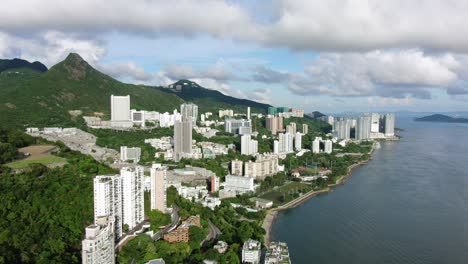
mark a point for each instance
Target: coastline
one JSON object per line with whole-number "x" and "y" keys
{"x": 272, "y": 214}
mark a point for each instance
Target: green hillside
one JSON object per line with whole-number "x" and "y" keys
{"x": 212, "y": 100}
{"x": 30, "y": 97}
{"x": 46, "y": 98}
{"x": 21, "y": 64}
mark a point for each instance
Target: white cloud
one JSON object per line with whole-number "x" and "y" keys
{"x": 126, "y": 69}
{"x": 50, "y": 47}
{"x": 391, "y": 73}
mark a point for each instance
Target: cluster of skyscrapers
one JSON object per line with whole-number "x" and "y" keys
{"x": 118, "y": 208}
{"x": 367, "y": 126}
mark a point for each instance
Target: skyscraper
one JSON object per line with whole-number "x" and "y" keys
{"x": 98, "y": 245}
{"x": 158, "y": 187}
{"x": 305, "y": 129}
{"x": 108, "y": 200}
{"x": 328, "y": 146}
{"x": 182, "y": 139}
{"x": 390, "y": 125}
{"x": 248, "y": 145}
{"x": 285, "y": 143}
{"x": 316, "y": 146}
{"x": 189, "y": 112}
{"x": 363, "y": 127}
{"x": 133, "y": 207}
{"x": 375, "y": 119}
{"x": 248, "y": 113}
{"x": 298, "y": 141}
{"x": 342, "y": 129}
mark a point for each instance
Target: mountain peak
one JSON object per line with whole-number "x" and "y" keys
{"x": 76, "y": 66}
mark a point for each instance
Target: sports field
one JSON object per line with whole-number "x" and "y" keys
{"x": 37, "y": 154}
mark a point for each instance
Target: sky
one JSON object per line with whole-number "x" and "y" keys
{"x": 329, "y": 56}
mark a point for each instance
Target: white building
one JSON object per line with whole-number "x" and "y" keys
{"x": 248, "y": 112}
{"x": 189, "y": 112}
{"x": 138, "y": 117}
{"x": 342, "y": 129}
{"x": 120, "y": 111}
{"x": 248, "y": 145}
{"x": 133, "y": 206}
{"x": 328, "y": 146}
{"x": 298, "y": 141}
{"x": 305, "y": 129}
{"x": 285, "y": 143}
{"x": 108, "y": 200}
{"x": 363, "y": 127}
{"x": 132, "y": 154}
{"x": 239, "y": 184}
{"x": 238, "y": 126}
{"x": 390, "y": 125}
{"x": 158, "y": 187}
{"x": 98, "y": 245}
{"x": 251, "y": 251}
{"x": 375, "y": 123}
{"x": 316, "y": 146}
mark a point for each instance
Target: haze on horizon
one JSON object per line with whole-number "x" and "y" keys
{"x": 330, "y": 56}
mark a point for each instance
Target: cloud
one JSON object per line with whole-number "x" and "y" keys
{"x": 261, "y": 95}
{"x": 50, "y": 47}
{"x": 215, "y": 72}
{"x": 126, "y": 70}
{"x": 390, "y": 73}
{"x": 334, "y": 25}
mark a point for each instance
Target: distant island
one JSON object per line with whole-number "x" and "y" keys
{"x": 442, "y": 119}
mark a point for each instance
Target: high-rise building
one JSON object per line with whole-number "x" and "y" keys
{"x": 291, "y": 128}
{"x": 214, "y": 183}
{"x": 98, "y": 245}
{"x": 316, "y": 146}
{"x": 276, "y": 147}
{"x": 264, "y": 165}
{"x": 133, "y": 206}
{"x": 274, "y": 124}
{"x": 236, "y": 167}
{"x": 189, "y": 112}
{"x": 182, "y": 139}
{"x": 272, "y": 110}
{"x": 375, "y": 119}
{"x": 158, "y": 187}
{"x": 390, "y": 125}
{"x": 108, "y": 200}
{"x": 285, "y": 143}
{"x": 248, "y": 145}
{"x": 363, "y": 127}
{"x": 238, "y": 126}
{"x": 251, "y": 252}
{"x": 298, "y": 141}
{"x": 120, "y": 111}
{"x": 297, "y": 112}
{"x": 138, "y": 117}
{"x": 328, "y": 146}
{"x": 248, "y": 112}
{"x": 342, "y": 129}
{"x": 305, "y": 129}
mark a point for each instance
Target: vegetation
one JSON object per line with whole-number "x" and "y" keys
{"x": 46, "y": 160}
{"x": 15, "y": 64}
{"x": 10, "y": 142}
{"x": 158, "y": 219}
{"x": 44, "y": 211}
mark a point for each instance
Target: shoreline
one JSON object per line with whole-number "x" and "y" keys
{"x": 272, "y": 214}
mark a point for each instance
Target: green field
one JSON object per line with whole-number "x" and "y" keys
{"x": 46, "y": 160}
{"x": 286, "y": 193}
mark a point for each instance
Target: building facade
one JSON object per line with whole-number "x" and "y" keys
{"x": 133, "y": 206}
{"x": 182, "y": 139}
{"x": 98, "y": 245}
{"x": 251, "y": 252}
{"x": 248, "y": 145}
{"x": 189, "y": 112}
{"x": 158, "y": 187}
{"x": 108, "y": 200}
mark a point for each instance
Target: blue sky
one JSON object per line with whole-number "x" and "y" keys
{"x": 329, "y": 56}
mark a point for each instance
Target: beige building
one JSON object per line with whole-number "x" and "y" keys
{"x": 158, "y": 187}
{"x": 236, "y": 167}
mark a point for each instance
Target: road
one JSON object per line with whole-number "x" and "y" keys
{"x": 175, "y": 221}
{"x": 213, "y": 232}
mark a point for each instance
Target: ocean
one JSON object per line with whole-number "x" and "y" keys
{"x": 409, "y": 204}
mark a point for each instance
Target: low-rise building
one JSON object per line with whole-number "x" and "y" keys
{"x": 132, "y": 154}
{"x": 277, "y": 253}
{"x": 221, "y": 247}
{"x": 239, "y": 184}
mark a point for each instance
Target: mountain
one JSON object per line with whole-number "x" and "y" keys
{"x": 442, "y": 119}
{"x": 315, "y": 114}
{"x": 18, "y": 64}
{"x": 45, "y": 99}
{"x": 211, "y": 100}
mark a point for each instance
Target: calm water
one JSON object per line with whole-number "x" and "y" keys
{"x": 408, "y": 205}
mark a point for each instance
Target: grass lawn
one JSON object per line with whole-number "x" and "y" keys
{"x": 48, "y": 159}
{"x": 285, "y": 193}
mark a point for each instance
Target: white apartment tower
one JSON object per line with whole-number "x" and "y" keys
{"x": 305, "y": 129}
{"x": 363, "y": 127}
{"x": 390, "y": 125}
{"x": 248, "y": 113}
{"x": 248, "y": 145}
{"x": 375, "y": 123}
{"x": 316, "y": 146}
{"x": 182, "y": 139}
{"x": 189, "y": 112}
{"x": 98, "y": 245}
{"x": 133, "y": 206}
{"x": 328, "y": 146}
{"x": 158, "y": 187}
{"x": 285, "y": 143}
{"x": 108, "y": 200}
{"x": 298, "y": 141}
{"x": 342, "y": 129}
